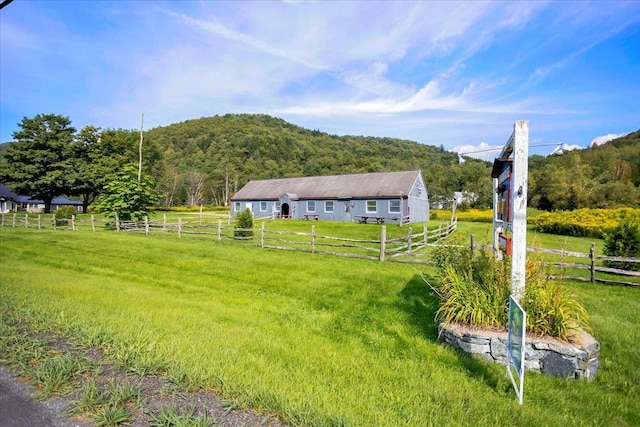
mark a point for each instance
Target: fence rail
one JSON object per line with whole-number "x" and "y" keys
{"x": 412, "y": 248}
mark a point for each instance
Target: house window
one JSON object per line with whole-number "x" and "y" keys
{"x": 237, "y": 207}
{"x": 277, "y": 207}
{"x": 394, "y": 206}
{"x": 263, "y": 206}
{"x": 372, "y": 206}
{"x": 311, "y": 206}
{"x": 328, "y": 206}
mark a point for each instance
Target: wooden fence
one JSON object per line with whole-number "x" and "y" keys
{"x": 590, "y": 265}
{"x": 410, "y": 248}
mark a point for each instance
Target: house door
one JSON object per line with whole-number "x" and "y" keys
{"x": 284, "y": 210}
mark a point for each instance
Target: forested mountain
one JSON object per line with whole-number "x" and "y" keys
{"x": 604, "y": 176}
{"x": 206, "y": 160}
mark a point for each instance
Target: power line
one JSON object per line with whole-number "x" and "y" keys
{"x": 557, "y": 144}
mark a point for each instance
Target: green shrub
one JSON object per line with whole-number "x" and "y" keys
{"x": 475, "y": 291}
{"x": 623, "y": 241}
{"x": 244, "y": 225}
{"x": 64, "y": 214}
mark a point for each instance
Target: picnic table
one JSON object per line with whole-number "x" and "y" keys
{"x": 309, "y": 217}
{"x": 363, "y": 219}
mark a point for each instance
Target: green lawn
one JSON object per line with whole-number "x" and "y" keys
{"x": 317, "y": 340}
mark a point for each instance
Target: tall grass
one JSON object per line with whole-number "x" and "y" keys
{"x": 316, "y": 340}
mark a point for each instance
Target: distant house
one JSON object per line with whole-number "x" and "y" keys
{"x": 370, "y": 197}
{"x": 11, "y": 202}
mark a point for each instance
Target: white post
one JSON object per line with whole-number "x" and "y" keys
{"x": 219, "y": 230}
{"x": 93, "y": 223}
{"x": 519, "y": 208}
{"x": 179, "y": 227}
{"x": 73, "y": 223}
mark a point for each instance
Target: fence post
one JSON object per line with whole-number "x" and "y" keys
{"x": 426, "y": 235}
{"x": 219, "y": 230}
{"x": 164, "y": 222}
{"x": 2, "y": 219}
{"x": 179, "y": 227}
{"x": 73, "y": 223}
{"x": 409, "y": 242}
{"x": 262, "y": 235}
{"x": 472, "y": 244}
{"x": 39, "y": 221}
{"x": 117, "y": 221}
{"x": 26, "y": 220}
{"x": 93, "y": 223}
{"x": 146, "y": 225}
{"x": 383, "y": 241}
{"x": 313, "y": 239}
{"x": 201, "y": 215}
{"x": 439, "y": 233}
{"x": 592, "y": 256}
{"x": 53, "y": 221}
{"x": 13, "y": 221}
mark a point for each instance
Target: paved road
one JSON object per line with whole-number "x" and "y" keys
{"x": 19, "y": 409}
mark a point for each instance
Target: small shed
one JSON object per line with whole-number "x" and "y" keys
{"x": 383, "y": 197}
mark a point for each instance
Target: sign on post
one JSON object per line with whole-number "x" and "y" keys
{"x": 515, "y": 346}
{"x": 510, "y": 170}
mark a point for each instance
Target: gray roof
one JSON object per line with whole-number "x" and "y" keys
{"x": 354, "y": 186}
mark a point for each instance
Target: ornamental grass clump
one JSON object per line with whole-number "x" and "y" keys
{"x": 475, "y": 291}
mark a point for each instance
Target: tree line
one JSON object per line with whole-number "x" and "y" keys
{"x": 206, "y": 160}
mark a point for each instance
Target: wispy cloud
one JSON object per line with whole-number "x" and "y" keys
{"x": 450, "y": 73}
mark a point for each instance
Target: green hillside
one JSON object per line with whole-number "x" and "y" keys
{"x": 234, "y": 149}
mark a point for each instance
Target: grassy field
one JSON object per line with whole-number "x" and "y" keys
{"x": 316, "y": 340}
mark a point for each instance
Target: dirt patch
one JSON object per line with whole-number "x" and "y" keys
{"x": 152, "y": 394}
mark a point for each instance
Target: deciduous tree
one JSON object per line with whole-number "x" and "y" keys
{"x": 38, "y": 162}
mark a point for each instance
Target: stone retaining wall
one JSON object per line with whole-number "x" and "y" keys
{"x": 547, "y": 355}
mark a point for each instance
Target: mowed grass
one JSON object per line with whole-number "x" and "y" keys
{"x": 316, "y": 340}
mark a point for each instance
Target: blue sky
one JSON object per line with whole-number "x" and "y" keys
{"x": 457, "y": 74}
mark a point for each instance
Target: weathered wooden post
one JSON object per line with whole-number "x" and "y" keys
{"x": 426, "y": 235}
{"x": 53, "y": 221}
{"x": 313, "y": 239}
{"x": 200, "y": 215}
{"x": 409, "y": 242}
{"x": 383, "y": 241}
{"x": 13, "y": 220}
{"x": 219, "y": 230}
{"x": 26, "y": 221}
{"x": 93, "y": 223}
{"x": 164, "y": 222}
{"x": 39, "y": 221}
{"x": 472, "y": 244}
{"x": 439, "y": 233}
{"x": 146, "y": 225}
{"x": 73, "y": 223}
{"x": 592, "y": 257}
{"x": 2, "y": 219}
{"x": 179, "y": 227}
{"x": 262, "y": 235}
{"x": 117, "y": 221}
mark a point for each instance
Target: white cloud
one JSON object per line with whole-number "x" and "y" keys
{"x": 482, "y": 151}
{"x": 563, "y": 148}
{"x": 599, "y": 140}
